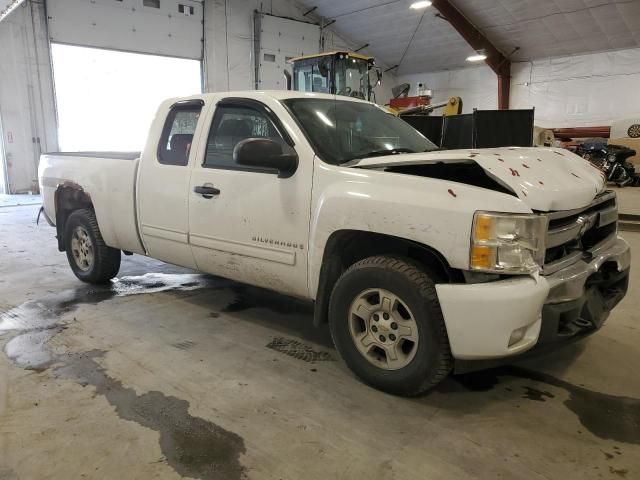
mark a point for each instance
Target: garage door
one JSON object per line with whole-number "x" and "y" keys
{"x": 161, "y": 27}
{"x": 109, "y": 103}
{"x": 279, "y": 40}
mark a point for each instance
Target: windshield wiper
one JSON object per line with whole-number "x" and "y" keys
{"x": 380, "y": 153}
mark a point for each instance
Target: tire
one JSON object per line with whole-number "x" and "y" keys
{"x": 422, "y": 359}
{"x": 91, "y": 260}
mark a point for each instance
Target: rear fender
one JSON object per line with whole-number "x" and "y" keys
{"x": 69, "y": 196}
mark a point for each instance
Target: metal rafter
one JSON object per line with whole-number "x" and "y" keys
{"x": 476, "y": 39}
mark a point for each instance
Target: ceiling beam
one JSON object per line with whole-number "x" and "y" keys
{"x": 477, "y": 41}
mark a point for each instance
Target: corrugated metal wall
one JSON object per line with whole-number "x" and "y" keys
{"x": 27, "y": 106}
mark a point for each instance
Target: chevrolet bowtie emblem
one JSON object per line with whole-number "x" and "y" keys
{"x": 586, "y": 222}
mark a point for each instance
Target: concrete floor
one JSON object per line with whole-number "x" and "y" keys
{"x": 17, "y": 200}
{"x": 171, "y": 374}
{"x": 628, "y": 199}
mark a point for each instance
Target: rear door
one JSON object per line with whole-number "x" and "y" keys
{"x": 252, "y": 226}
{"x": 163, "y": 183}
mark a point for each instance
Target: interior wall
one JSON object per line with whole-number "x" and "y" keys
{"x": 27, "y": 105}
{"x": 229, "y": 50}
{"x": 582, "y": 90}
{"x": 477, "y": 86}
{"x": 3, "y": 173}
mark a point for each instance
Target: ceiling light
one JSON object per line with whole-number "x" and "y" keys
{"x": 478, "y": 57}
{"x": 419, "y": 5}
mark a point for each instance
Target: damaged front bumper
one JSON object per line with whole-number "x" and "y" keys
{"x": 494, "y": 320}
{"x": 582, "y": 295}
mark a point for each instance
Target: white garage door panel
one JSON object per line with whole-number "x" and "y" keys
{"x": 281, "y": 38}
{"x": 129, "y": 25}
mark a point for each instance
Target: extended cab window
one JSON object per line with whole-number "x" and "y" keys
{"x": 232, "y": 124}
{"x": 177, "y": 135}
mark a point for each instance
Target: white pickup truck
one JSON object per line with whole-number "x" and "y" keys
{"x": 420, "y": 260}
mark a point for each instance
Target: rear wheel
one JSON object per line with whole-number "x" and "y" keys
{"x": 91, "y": 260}
{"x": 387, "y": 325}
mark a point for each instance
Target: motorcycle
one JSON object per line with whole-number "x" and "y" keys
{"x": 612, "y": 160}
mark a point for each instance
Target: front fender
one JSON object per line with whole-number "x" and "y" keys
{"x": 432, "y": 212}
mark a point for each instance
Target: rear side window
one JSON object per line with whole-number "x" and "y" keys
{"x": 232, "y": 124}
{"x": 177, "y": 135}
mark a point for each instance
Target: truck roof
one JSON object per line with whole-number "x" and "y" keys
{"x": 274, "y": 94}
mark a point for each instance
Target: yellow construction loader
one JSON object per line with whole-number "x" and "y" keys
{"x": 355, "y": 75}
{"x": 338, "y": 72}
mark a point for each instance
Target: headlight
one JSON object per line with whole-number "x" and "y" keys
{"x": 507, "y": 243}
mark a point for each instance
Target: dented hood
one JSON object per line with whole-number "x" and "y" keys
{"x": 546, "y": 179}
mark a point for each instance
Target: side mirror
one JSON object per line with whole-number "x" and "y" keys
{"x": 268, "y": 154}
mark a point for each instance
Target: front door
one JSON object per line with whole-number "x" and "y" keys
{"x": 246, "y": 223}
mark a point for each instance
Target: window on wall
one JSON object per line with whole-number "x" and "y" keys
{"x": 186, "y": 9}
{"x": 107, "y": 99}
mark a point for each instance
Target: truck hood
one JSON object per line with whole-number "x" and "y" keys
{"x": 546, "y": 179}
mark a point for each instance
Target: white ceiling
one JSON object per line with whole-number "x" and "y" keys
{"x": 541, "y": 28}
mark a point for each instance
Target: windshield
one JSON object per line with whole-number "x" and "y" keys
{"x": 352, "y": 78}
{"x": 341, "y": 130}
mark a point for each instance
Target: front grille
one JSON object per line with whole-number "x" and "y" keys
{"x": 573, "y": 234}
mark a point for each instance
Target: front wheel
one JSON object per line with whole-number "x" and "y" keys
{"x": 91, "y": 260}
{"x": 387, "y": 325}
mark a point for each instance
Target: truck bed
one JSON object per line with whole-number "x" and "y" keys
{"x": 109, "y": 179}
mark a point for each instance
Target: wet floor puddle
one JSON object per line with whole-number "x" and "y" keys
{"x": 35, "y": 322}
{"x": 47, "y": 310}
{"x": 609, "y": 417}
{"x": 192, "y": 446}
{"x": 198, "y": 448}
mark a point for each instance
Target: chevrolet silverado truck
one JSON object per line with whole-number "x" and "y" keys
{"x": 422, "y": 261}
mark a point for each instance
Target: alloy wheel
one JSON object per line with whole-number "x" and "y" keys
{"x": 82, "y": 249}
{"x": 383, "y": 329}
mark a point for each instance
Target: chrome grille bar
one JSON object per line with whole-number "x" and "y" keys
{"x": 567, "y": 230}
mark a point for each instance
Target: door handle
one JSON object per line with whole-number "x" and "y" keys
{"x": 206, "y": 192}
